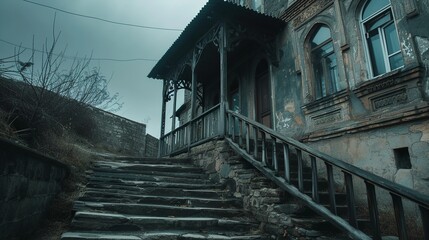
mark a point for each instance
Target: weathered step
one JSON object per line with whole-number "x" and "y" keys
{"x": 99, "y": 196}
{"x": 139, "y": 177}
{"x": 147, "y": 167}
{"x": 151, "y": 160}
{"x": 129, "y": 185}
{"x": 99, "y": 236}
{"x": 159, "y": 210}
{"x": 157, "y": 191}
{"x": 95, "y": 221}
{"x": 201, "y": 175}
{"x": 157, "y": 236}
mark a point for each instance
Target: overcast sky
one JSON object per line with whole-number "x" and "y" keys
{"x": 21, "y": 20}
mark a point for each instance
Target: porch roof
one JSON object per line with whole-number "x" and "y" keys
{"x": 214, "y": 12}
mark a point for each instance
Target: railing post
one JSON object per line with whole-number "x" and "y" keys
{"x": 351, "y": 205}
{"x": 314, "y": 179}
{"x": 233, "y": 119}
{"x": 264, "y": 150}
{"x": 331, "y": 188}
{"x": 240, "y": 133}
{"x": 255, "y": 139}
{"x": 300, "y": 176}
{"x": 373, "y": 210}
{"x": 247, "y": 137}
{"x": 275, "y": 163}
{"x": 424, "y": 214}
{"x": 399, "y": 216}
{"x": 286, "y": 162}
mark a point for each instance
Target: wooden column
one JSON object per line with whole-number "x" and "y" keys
{"x": 194, "y": 92}
{"x": 161, "y": 135}
{"x": 223, "y": 79}
{"x": 173, "y": 123}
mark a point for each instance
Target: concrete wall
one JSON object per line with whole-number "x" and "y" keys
{"x": 119, "y": 134}
{"x": 28, "y": 183}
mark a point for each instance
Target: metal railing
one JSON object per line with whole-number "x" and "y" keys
{"x": 201, "y": 128}
{"x": 272, "y": 154}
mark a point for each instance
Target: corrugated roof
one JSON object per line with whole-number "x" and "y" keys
{"x": 212, "y": 13}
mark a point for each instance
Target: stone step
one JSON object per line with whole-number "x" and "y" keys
{"x": 185, "y": 175}
{"x": 129, "y": 185}
{"x": 95, "y": 221}
{"x": 168, "y": 192}
{"x": 188, "y": 168}
{"x": 177, "y": 235}
{"x": 159, "y": 210}
{"x": 99, "y": 196}
{"x": 150, "y": 160}
{"x": 141, "y": 177}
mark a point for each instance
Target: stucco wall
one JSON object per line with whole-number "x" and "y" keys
{"x": 374, "y": 151}
{"x": 28, "y": 183}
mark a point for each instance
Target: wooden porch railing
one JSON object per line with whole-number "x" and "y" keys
{"x": 272, "y": 153}
{"x": 201, "y": 128}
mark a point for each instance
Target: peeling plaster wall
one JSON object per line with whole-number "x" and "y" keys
{"x": 373, "y": 151}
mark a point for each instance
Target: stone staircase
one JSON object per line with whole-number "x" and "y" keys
{"x": 133, "y": 199}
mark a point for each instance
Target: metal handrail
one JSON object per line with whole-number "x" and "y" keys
{"x": 371, "y": 180}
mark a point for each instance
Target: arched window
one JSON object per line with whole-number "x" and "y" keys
{"x": 324, "y": 62}
{"x": 381, "y": 37}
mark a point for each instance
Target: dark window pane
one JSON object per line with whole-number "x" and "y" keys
{"x": 376, "y": 54}
{"x": 396, "y": 61}
{"x": 378, "y": 22}
{"x": 372, "y": 6}
{"x": 392, "y": 41}
{"x": 333, "y": 73}
{"x": 322, "y": 35}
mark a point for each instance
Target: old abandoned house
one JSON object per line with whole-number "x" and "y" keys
{"x": 280, "y": 82}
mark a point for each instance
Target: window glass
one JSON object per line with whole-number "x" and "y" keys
{"x": 376, "y": 52}
{"x": 322, "y": 35}
{"x": 396, "y": 61}
{"x": 392, "y": 40}
{"x": 324, "y": 63}
{"x": 371, "y": 7}
{"x": 381, "y": 37}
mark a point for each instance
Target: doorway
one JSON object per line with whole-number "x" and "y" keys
{"x": 263, "y": 94}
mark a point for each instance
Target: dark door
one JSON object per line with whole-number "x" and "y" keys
{"x": 263, "y": 95}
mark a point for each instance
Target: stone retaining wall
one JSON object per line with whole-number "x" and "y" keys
{"x": 119, "y": 134}
{"x": 28, "y": 183}
{"x": 151, "y": 146}
{"x": 262, "y": 197}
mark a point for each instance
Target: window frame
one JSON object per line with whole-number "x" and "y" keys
{"x": 384, "y": 11}
{"x": 331, "y": 83}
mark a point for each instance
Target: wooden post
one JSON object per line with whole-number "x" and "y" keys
{"x": 161, "y": 135}
{"x": 194, "y": 92}
{"x": 223, "y": 79}
{"x": 173, "y": 118}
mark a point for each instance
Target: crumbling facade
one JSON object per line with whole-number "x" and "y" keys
{"x": 349, "y": 78}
